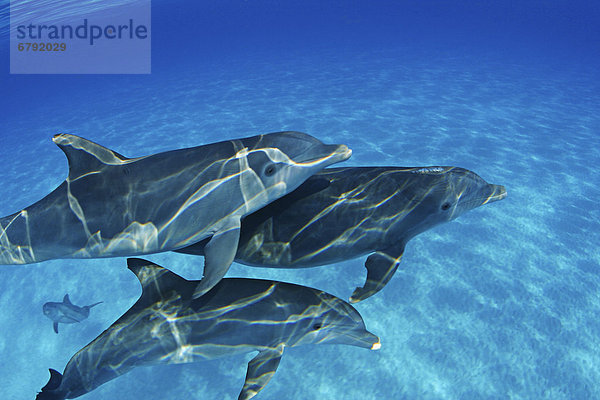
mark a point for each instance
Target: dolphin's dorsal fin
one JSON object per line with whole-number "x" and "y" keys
{"x": 85, "y": 156}
{"x": 66, "y": 299}
{"x": 54, "y": 382}
{"x": 158, "y": 282}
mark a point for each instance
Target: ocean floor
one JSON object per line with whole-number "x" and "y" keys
{"x": 501, "y": 303}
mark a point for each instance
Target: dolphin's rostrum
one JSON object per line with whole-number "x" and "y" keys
{"x": 343, "y": 213}
{"x": 167, "y": 325}
{"x": 111, "y": 205}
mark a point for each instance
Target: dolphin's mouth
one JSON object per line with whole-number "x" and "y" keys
{"x": 341, "y": 153}
{"x": 498, "y": 193}
{"x": 364, "y": 339}
{"x": 376, "y": 345}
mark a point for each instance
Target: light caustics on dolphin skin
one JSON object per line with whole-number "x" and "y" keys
{"x": 20, "y": 253}
{"x": 111, "y": 205}
{"x": 167, "y": 326}
{"x": 253, "y": 190}
{"x": 379, "y": 212}
{"x": 342, "y": 213}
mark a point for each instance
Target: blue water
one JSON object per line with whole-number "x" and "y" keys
{"x": 501, "y": 303}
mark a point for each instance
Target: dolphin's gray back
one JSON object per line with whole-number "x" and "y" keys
{"x": 236, "y": 316}
{"x": 88, "y": 219}
{"x": 168, "y": 325}
{"x": 355, "y": 210}
{"x": 228, "y": 310}
{"x": 257, "y": 297}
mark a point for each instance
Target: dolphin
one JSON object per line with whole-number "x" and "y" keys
{"x": 66, "y": 312}
{"x": 343, "y": 213}
{"x": 168, "y": 326}
{"x": 111, "y": 205}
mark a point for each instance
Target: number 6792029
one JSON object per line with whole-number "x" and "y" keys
{"x": 42, "y": 46}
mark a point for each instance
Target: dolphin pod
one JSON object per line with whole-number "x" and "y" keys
{"x": 168, "y": 326}
{"x": 66, "y": 312}
{"x": 111, "y": 205}
{"x": 265, "y": 200}
{"x": 343, "y": 213}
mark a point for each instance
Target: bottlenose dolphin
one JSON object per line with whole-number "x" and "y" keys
{"x": 343, "y": 213}
{"x": 111, "y": 205}
{"x": 66, "y": 312}
{"x": 167, "y": 325}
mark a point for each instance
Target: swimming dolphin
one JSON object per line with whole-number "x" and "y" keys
{"x": 167, "y": 326}
{"x": 66, "y": 312}
{"x": 343, "y": 213}
{"x": 111, "y": 205}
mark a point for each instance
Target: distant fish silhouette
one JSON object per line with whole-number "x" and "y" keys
{"x": 168, "y": 326}
{"x": 66, "y": 312}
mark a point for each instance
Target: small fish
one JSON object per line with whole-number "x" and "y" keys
{"x": 66, "y": 312}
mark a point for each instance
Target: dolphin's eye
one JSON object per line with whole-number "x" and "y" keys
{"x": 269, "y": 170}
{"x": 445, "y": 206}
{"x": 317, "y": 326}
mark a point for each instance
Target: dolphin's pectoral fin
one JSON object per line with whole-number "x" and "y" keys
{"x": 260, "y": 371}
{"x": 55, "y": 326}
{"x": 381, "y": 266}
{"x": 219, "y": 253}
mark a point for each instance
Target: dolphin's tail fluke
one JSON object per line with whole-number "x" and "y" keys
{"x": 50, "y": 392}
{"x": 92, "y": 305}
